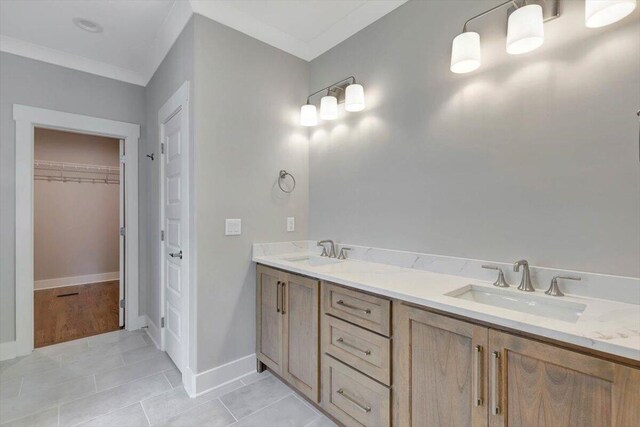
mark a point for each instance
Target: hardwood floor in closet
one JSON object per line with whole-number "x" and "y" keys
{"x": 71, "y": 312}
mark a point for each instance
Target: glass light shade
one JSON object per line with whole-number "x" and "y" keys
{"x": 598, "y": 13}
{"x": 525, "y": 30}
{"x": 329, "y": 108}
{"x": 354, "y": 98}
{"x": 308, "y": 115}
{"x": 465, "y": 53}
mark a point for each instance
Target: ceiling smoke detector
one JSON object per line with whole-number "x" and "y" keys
{"x": 87, "y": 25}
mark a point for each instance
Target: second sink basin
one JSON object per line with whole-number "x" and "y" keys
{"x": 526, "y": 303}
{"x": 312, "y": 260}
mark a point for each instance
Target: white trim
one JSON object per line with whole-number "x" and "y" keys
{"x": 221, "y": 375}
{"x": 179, "y": 101}
{"x": 7, "y": 350}
{"x": 68, "y": 60}
{"x": 26, "y": 119}
{"x": 167, "y": 34}
{"x": 153, "y": 331}
{"x": 75, "y": 280}
{"x": 356, "y": 20}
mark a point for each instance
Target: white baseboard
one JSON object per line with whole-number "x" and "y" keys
{"x": 75, "y": 280}
{"x": 220, "y": 375}
{"x": 136, "y": 324}
{"x": 154, "y": 332}
{"x": 7, "y": 350}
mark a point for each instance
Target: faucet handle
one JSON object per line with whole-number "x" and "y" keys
{"x": 343, "y": 253}
{"x": 554, "y": 289}
{"x": 500, "y": 281}
{"x": 324, "y": 249}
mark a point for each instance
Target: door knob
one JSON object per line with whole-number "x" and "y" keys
{"x": 176, "y": 255}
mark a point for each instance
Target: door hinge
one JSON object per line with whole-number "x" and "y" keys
{"x": 122, "y": 303}
{"x": 162, "y": 148}
{"x": 122, "y": 231}
{"x": 162, "y": 235}
{"x": 162, "y": 322}
{"x": 123, "y": 159}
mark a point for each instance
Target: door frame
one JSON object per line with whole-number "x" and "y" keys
{"x": 27, "y": 119}
{"x": 179, "y": 102}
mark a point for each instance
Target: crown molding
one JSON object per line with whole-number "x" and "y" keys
{"x": 68, "y": 60}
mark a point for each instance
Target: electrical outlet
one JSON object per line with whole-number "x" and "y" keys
{"x": 291, "y": 223}
{"x": 232, "y": 227}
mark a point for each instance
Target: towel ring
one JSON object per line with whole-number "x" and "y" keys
{"x": 283, "y": 175}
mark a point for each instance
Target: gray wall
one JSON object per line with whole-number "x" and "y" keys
{"x": 529, "y": 157}
{"x": 28, "y": 82}
{"x": 248, "y": 96}
{"x": 175, "y": 69}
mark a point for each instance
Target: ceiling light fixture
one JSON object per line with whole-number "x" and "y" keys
{"x": 525, "y": 32}
{"x": 345, "y": 90}
{"x": 598, "y": 13}
{"x": 87, "y": 25}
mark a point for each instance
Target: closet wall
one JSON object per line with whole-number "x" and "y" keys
{"x": 75, "y": 224}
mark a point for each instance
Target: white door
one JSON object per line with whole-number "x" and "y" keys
{"x": 122, "y": 239}
{"x": 174, "y": 225}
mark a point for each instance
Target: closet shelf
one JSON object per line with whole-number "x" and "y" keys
{"x": 45, "y": 170}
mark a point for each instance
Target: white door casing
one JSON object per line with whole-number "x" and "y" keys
{"x": 26, "y": 119}
{"x": 177, "y": 293}
{"x": 122, "y": 237}
{"x": 174, "y": 249}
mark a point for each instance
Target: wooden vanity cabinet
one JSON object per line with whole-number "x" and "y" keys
{"x": 453, "y": 372}
{"x": 287, "y": 327}
{"x": 439, "y": 367}
{"x": 540, "y": 384}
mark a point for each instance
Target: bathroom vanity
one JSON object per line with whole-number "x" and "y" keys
{"x": 378, "y": 345}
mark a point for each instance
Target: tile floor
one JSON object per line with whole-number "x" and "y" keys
{"x": 121, "y": 379}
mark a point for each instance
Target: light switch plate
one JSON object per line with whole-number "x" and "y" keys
{"x": 232, "y": 227}
{"x": 291, "y": 223}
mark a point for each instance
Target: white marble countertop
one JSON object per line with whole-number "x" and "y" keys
{"x": 607, "y": 326}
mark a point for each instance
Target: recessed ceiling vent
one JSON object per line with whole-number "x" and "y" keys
{"x": 87, "y": 25}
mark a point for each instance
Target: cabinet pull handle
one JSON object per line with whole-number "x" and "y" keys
{"x": 477, "y": 392}
{"x": 278, "y": 296}
{"x": 364, "y": 408}
{"x": 353, "y": 307}
{"x": 495, "y": 404}
{"x": 346, "y": 344}
{"x": 284, "y": 298}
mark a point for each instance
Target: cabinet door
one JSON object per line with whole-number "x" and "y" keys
{"x": 269, "y": 317}
{"x": 301, "y": 334}
{"x": 535, "y": 384}
{"x": 439, "y": 370}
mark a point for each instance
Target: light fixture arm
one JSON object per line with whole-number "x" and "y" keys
{"x": 486, "y": 12}
{"x": 327, "y": 88}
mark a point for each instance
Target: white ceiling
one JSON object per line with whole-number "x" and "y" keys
{"x": 138, "y": 34}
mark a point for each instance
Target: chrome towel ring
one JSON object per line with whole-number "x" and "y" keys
{"x": 283, "y": 175}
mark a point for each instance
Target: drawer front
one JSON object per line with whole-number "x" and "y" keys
{"x": 352, "y": 398}
{"x": 362, "y": 349}
{"x": 364, "y": 310}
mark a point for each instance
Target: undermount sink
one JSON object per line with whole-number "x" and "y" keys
{"x": 525, "y": 303}
{"x": 312, "y": 260}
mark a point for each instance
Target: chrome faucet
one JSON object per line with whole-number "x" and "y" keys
{"x": 525, "y": 283}
{"x": 332, "y": 251}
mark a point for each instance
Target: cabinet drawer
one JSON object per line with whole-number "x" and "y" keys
{"x": 353, "y": 398}
{"x": 370, "y": 312}
{"x": 362, "y": 349}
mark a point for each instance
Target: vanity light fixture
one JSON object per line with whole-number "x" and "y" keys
{"x": 525, "y": 32}
{"x": 345, "y": 90}
{"x": 329, "y": 107}
{"x": 308, "y": 116}
{"x": 598, "y": 13}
